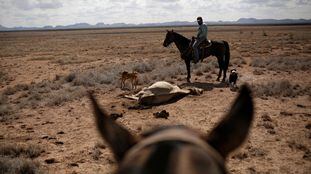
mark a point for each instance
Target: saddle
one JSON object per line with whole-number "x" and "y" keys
{"x": 204, "y": 44}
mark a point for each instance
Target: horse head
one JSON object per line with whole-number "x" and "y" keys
{"x": 178, "y": 149}
{"x": 169, "y": 38}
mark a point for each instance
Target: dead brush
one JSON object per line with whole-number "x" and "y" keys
{"x": 5, "y": 108}
{"x": 18, "y": 158}
{"x": 144, "y": 66}
{"x": 19, "y": 165}
{"x": 280, "y": 88}
{"x": 20, "y": 150}
{"x": 3, "y": 77}
{"x": 283, "y": 63}
{"x": 238, "y": 62}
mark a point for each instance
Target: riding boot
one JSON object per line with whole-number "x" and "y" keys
{"x": 202, "y": 55}
{"x": 196, "y": 57}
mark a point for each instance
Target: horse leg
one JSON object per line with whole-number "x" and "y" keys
{"x": 188, "y": 70}
{"x": 224, "y": 68}
{"x": 219, "y": 74}
{"x": 225, "y": 75}
{"x": 220, "y": 67}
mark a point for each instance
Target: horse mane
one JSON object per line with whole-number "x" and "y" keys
{"x": 181, "y": 38}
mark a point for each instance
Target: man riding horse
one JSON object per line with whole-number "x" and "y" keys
{"x": 201, "y": 36}
{"x": 220, "y": 49}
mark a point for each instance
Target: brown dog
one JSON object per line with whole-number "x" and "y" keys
{"x": 133, "y": 77}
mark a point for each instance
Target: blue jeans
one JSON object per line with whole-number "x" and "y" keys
{"x": 196, "y": 49}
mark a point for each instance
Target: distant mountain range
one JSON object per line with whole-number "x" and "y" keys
{"x": 241, "y": 21}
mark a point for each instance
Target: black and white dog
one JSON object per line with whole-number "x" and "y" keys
{"x": 233, "y": 78}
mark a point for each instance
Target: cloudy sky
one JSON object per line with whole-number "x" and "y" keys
{"x": 63, "y": 12}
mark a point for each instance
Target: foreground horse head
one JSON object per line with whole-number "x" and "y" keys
{"x": 177, "y": 149}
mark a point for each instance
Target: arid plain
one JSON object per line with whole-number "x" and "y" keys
{"x": 47, "y": 125}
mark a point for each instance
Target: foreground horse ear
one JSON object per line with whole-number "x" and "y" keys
{"x": 230, "y": 133}
{"x": 119, "y": 139}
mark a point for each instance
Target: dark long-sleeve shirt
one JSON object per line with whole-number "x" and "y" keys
{"x": 202, "y": 32}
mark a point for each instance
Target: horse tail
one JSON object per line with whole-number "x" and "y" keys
{"x": 227, "y": 55}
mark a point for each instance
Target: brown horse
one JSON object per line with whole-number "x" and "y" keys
{"x": 178, "y": 149}
{"x": 220, "y": 49}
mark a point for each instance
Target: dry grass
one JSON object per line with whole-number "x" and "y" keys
{"x": 16, "y": 88}
{"x": 67, "y": 60}
{"x": 149, "y": 72}
{"x": 19, "y": 166}
{"x": 144, "y": 66}
{"x": 42, "y": 58}
{"x": 44, "y": 93}
{"x": 5, "y": 108}
{"x": 74, "y": 85}
{"x": 17, "y": 158}
{"x": 95, "y": 153}
{"x": 258, "y": 71}
{"x": 283, "y": 63}
{"x": 281, "y": 88}
{"x": 3, "y": 77}
{"x": 237, "y": 62}
{"x": 64, "y": 95}
{"x": 20, "y": 150}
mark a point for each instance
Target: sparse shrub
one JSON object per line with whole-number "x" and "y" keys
{"x": 283, "y": 63}
{"x": 16, "y": 158}
{"x": 198, "y": 73}
{"x": 281, "y": 88}
{"x": 67, "y": 94}
{"x": 258, "y": 62}
{"x": 19, "y": 165}
{"x": 73, "y": 60}
{"x": 96, "y": 77}
{"x": 20, "y": 150}
{"x": 3, "y": 99}
{"x": 3, "y": 77}
{"x": 144, "y": 67}
{"x": 70, "y": 77}
{"x": 238, "y": 61}
{"x": 257, "y": 152}
{"x": 5, "y": 108}
{"x": 258, "y": 72}
{"x": 143, "y": 79}
{"x": 264, "y": 33}
{"x": 9, "y": 91}
{"x": 96, "y": 153}
{"x": 275, "y": 88}
{"x": 291, "y": 36}
{"x": 208, "y": 77}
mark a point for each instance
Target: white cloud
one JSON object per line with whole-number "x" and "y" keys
{"x": 64, "y": 12}
{"x": 33, "y": 4}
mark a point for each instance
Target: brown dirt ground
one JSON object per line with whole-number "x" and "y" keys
{"x": 280, "y": 144}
